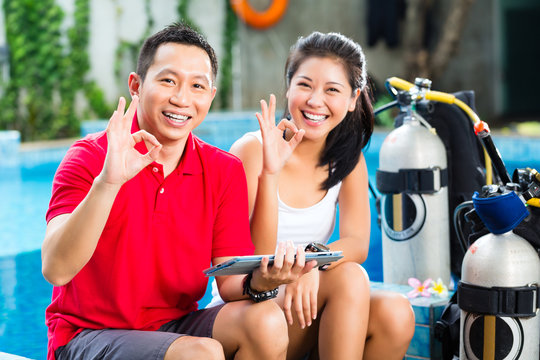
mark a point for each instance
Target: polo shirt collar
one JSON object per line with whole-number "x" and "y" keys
{"x": 190, "y": 163}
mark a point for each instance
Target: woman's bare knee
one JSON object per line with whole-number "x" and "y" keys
{"x": 191, "y": 347}
{"x": 392, "y": 316}
{"x": 347, "y": 281}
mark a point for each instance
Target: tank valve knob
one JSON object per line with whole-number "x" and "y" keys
{"x": 404, "y": 98}
{"x": 422, "y": 83}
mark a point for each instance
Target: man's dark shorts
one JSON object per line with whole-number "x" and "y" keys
{"x": 113, "y": 344}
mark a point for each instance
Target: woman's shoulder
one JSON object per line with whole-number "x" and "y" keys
{"x": 250, "y": 144}
{"x": 250, "y": 136}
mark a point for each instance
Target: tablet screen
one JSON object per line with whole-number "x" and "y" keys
{"x": 246, "y": 264}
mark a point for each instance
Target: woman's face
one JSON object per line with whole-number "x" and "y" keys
{"x": 319, "y": 96}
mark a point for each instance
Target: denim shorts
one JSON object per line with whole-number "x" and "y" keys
{"x": 113, "y": 344}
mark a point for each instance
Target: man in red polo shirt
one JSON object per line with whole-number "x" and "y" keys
{"x": 138, "y": 211}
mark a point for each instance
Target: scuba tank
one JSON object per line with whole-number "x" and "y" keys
{"x": 413, "y": 179}
{"x": 498, "y": 298}
{"x": 498, "y": 294}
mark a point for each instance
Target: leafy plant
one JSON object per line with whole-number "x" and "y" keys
{"x": 48, "y": 90}
{"x": 46, "y": 72}
{"x": 230, "y": 36}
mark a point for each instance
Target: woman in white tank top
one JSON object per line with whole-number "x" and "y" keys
{"x": 297, "y": 172}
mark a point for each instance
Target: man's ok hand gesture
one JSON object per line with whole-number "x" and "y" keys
{"x": 123, "y": 161}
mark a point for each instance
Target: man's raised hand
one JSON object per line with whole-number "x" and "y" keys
{"x": 123, "y": 161}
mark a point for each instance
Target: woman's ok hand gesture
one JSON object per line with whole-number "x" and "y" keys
{"x": 276, "y": 149}
{"x": 123, "y": 161}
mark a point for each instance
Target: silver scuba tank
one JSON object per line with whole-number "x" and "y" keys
{"x": 500, "y": 274}
{"x": 413, "y": 179}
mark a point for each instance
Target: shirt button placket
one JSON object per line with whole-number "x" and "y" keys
{"x": 160, "y": 199}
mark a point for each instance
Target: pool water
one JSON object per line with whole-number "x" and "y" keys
{"x": 25, "y": 192}
{"x": 24, "y": 294}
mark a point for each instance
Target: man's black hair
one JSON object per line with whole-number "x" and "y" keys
{"x": 178, "y": 33}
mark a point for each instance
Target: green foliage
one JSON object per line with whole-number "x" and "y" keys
{"x": 385, "y": 118}
{"x": 47, "y": 69}
{"x": 33, "y": 36}
{"x": 230, "y": 36}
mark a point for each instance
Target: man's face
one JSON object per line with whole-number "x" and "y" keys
{"x": 176, "y": 94}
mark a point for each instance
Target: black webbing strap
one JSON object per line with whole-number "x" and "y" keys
{"x": 502, "y": 301}
{"x": 411, "y": 180}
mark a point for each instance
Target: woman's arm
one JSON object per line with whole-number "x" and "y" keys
{"x": 263, "y": 164}
{"x": 262, "y": 195}
{"x": 354, "y": 216}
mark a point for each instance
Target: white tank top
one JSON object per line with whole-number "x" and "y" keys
{"x": 300, "y": 225}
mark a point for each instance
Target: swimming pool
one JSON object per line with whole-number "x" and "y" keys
{"x": 25, "y": 190}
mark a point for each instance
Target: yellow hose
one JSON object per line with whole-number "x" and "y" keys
{"x": 534, "y": 202}
{"x": 400, "y": 83}
{"x": 441, "y": 97}
{"x": 474, "y": 117}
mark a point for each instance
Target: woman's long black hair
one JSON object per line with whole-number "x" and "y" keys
{"x": 345, "y": 142}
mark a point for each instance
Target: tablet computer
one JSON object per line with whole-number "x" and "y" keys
{"x": 246, "y": 264}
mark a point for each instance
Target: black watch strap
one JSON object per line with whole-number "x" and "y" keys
{"x": 255, "y": 295}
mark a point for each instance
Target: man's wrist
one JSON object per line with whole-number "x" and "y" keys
{"x": 102, "y": 185}
{"x": 255, "y": 295}
{"x": 255, "y": 283}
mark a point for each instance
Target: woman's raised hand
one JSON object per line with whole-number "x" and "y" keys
{"x": 123, "y": 161}
{"x": 276, "y": 150}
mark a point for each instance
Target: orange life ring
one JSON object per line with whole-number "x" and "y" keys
{"x": 259, "y": 19}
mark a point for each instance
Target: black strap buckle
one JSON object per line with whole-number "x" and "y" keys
{"x": 423, "y": 181}
{"x": 500, "y": 301}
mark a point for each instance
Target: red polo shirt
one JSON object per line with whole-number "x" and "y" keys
{"x": 160, "y": 235}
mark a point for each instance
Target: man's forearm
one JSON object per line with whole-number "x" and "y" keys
{"x": 71, "y": 239}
